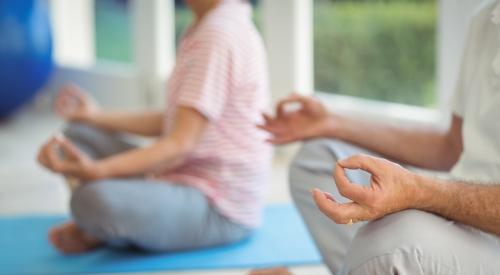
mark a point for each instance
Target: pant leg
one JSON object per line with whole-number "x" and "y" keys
{"x": 97, "y": 143}
{"x": 416, "y": 242}
{"x": 151, "y": 215}
{"x": 313, "y": 167}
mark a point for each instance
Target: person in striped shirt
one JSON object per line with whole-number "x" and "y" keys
{"x": 201, "y": 181}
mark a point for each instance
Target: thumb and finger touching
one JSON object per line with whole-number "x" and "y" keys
{"x": 69, "y": 149}
{"x": 355, "y": 210}
{"x": 339, "y": 212}
{"x": 363, "y": 162}
{"x": 352, "y": 191}
{"x": 294, "y": 98}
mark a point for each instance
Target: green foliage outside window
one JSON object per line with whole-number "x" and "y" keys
{"x": 382, "y": 50}
{"x": 375, "y": 49}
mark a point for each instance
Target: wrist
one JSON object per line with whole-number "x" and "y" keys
{"x": 424, "y": 193}
{"x": 100, "y": 171}
{"x": 332, "y": 126}
{"x": 89, "y": 117}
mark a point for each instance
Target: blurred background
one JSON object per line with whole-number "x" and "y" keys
{"x": 385, "y": 51}
{"x": 379, "y": 49}
{"x": 394, "y": 60}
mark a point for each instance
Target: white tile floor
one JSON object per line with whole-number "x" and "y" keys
{"x": 27, "y": 188}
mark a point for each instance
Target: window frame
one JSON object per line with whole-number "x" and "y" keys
{"x": 134, "y": 85}
{"x": 294, "y": 62}
{"x": 288, "y": 33}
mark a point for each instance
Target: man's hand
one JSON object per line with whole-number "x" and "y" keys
{"x": 73, "y": 104}
{"x": 60, "y": 156}
{"x": 309, "y": 121}
{"x": 392, "y": 189}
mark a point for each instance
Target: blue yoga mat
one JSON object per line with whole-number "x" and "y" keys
{"x": 282, "y": 241}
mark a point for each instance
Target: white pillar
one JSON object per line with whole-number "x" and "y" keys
{"x": 154, "y": 45}
{"x": 288, "y": 32}
{"x": 73, "y": 31}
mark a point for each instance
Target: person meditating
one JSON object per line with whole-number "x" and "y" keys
{"x": 201, "y": 181}
{"x": 369, "y": 215}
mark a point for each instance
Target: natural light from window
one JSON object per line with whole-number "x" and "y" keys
{"x": 378, "y": 49}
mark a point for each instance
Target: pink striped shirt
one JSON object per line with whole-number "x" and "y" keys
{"x": 221, "y": 72}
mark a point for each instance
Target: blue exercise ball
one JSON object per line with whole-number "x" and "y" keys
{"x": 25, "y": 52}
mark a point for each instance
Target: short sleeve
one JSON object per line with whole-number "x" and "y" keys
{"x": 457, "y": 104}
{"x": 204, "y": 83}
{"x": 458, "y": 99}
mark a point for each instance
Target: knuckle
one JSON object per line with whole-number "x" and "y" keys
{"x": 370, "y": 200}
{"x": 342, "y": 191}
{"x": 335, "y": 216}
{"x": 375, "y": 201}
{"x": 56, "y": 167}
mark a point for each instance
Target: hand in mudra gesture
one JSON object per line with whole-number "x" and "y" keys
{"x": 308, "y": 120}
{"x": 392, "y": 188}
{"x": 61, "y": 156}
{"x": 73, "y": 104}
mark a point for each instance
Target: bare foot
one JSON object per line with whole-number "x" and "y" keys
{"x": 69, "y": 239}
{"x": 271, "y": 271}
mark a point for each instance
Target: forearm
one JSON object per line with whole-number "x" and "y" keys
{"x": 139, "y": 123}
{"x": 158, "y": 157}
{"x": 471, "y": 204}
{"x": 425, "y": 147}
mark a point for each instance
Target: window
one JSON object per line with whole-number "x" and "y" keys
{"x": 113, "y": 30}
{"x": 183, "y": 17}
{"x": 378, "y": 49}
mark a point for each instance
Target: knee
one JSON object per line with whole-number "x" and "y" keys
{"x": 401, "y": 243}
{"x": 404, "y": 262}
{"x": 73, "y": 130}
{"x": 315, "y": 157}
{"x": 81, "y": 132}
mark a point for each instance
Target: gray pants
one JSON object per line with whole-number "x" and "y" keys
{"x": 408, "y": 242}
{"x": 148, "y": 214}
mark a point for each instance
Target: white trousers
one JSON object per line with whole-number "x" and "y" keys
{"x": 408, "y": 242}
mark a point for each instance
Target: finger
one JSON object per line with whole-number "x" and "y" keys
{"x": 60, "y": 101}
{"x": 53, "y": 157}
{"x": 69, "y": 149}
{"x": 61, "y": 108}
{"x": 281, "y": 140}
{"x": 267, "y": 118}
{"x": 339, "y": 213}
{"x": 42, "y": 156}
{"x": 348, "y": 189}
{"x": 293, "y": 98}
{"x": 276, "y": 130}
{"x": 64, "y": 102}
{"x": 363, "y": 162}
{"x": 329, "y": 196}
{"x": 269, "y": 122}
{"x": 77, "y": 98}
